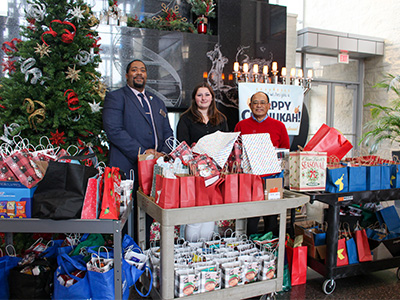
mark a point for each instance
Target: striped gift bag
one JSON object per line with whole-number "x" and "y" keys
{"x": 260, "y": 153}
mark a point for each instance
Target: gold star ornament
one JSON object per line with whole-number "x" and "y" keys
{"x": 72, "y": 74}
{"x": 42, "y": 49}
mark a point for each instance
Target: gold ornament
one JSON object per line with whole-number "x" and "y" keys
{"x": 42, "y": 49}
{"x": 38, "y": 115}
{"x": 98, "y": 86}
{"x": 93, "y": 21}
{"x": 72, "y": 74}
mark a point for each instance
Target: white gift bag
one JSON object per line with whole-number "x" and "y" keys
{"x": 260, "y": 153}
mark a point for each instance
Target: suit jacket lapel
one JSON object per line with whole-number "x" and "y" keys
{"x": 132, "y": 97}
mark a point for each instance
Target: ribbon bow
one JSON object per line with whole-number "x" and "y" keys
{"x": 72, "y": 99}
{"x": 66, "y": 37}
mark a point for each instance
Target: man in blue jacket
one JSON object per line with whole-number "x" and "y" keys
{"x": 135, "y": 121}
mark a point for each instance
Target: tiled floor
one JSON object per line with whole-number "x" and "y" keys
{"x": 380, "y": 285}
{"x": 373, "y": 286}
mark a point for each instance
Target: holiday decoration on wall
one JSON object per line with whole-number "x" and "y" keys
{"x": 52, "y": 87}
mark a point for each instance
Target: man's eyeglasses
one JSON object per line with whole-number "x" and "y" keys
{"x": 255, "y": 102}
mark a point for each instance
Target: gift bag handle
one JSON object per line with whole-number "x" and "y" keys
{"x": 74, "y": 263}
{"x": 151, "y": 284}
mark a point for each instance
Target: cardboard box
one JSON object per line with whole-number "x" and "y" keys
{"x": 15, "y": 200}
{"x": 315, "y": 248}
{"x": 307, "y": 171}
{"x": 273, "y": 188}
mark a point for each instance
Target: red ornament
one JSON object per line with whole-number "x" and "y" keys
{"x": 72, "y": 99}
{"x": 66, "y": 37}
{"x": 10, "y": 47}
{"x": 8, "y": 65}
{"x": 57, "y": 138}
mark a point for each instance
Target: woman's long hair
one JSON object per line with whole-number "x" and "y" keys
{"x": 215, "y": 117}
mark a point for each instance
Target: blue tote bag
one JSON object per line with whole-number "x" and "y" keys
{"x": 102, "y": 283}
{"x": 6, "y": 264}
{"x": 80, "y": 289}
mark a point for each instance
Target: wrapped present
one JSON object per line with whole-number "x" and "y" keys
{"x": 307, "y": 170}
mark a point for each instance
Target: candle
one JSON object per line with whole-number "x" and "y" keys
{"x": 230, "y": 77}
{"x": 292, "y": 72}
{"x": 283, "y": 72}
{"x": 274, "y": 66}
{"x": 205, "y": 75}
{"x": 309, "y": 74}
{"x": 236, "y": 66}
{"x": 255, "y": 68}
{"x": 265, "y": 70}
{"x": 300, "y": 73}
{"x": 245, "y": 67}
{"x": 223, "y": 76}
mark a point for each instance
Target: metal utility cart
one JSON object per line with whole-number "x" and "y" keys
{"x": 114, "y": 227}
{"x": 168, "y": 218}
{"x": 329, "y": 270}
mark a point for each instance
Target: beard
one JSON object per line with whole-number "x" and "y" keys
{"x": 138, "y": 84}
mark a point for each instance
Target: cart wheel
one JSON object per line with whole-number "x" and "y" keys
{"x": 398, "y": 273}
{"x": 329, "y": 286}
{"x": 268, "y": 297}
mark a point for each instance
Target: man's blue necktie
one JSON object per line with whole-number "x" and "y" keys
{"x": 145, "y": 106}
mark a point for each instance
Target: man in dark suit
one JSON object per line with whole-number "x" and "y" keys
{"x": 135, "y": 120}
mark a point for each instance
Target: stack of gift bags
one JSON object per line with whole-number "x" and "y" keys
{"x": 218, "y": 263}
{"x": 221, "y": 168}
{"x": 321, "y": 166}
{"x": 58, "y": 184}
{"x": 71, "y": 266}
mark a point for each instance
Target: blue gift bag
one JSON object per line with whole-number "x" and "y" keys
{"x": 357, "y": 178}
{"x": 386, "y": 173}
{"x": 352, "y": 251}
{"x": 337, "y": 180}
{"x": 373, "y": 178}
{"x": 395, "y": 177}
{"x": 389, "y": 216}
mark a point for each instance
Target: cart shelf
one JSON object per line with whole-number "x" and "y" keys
{"x": 168, "y": 218}
{"x": 329, "y": 270}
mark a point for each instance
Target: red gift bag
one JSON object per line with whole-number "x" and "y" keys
{"x": 297, "y": 260}
{"x": 5, "y": 172}
{"x": 24, "y": 168}
{"x": 230, "y": 188}
{"x": 112, "y": 194}
{"x": 342, "y": 258}
{"x": 245, "y": 190}
{"x": 202, "y": 198}
{"x": 214, "y": 192}
{"x": 187, "y": 191}
{"x": 90, "y": 209}
{"x": 182, "y": 150}
{"x": 363, "y": 249}
{"x": 167, "y": 192}
{"x": 328, "y": 139}
{"x": 145, "y": 172}
{"x": 257, "y": 188}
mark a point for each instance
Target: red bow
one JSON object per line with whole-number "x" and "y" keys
{"x": 12, "y": 46}
{"x": 66, "y": 37}
{"x": 8, "y": 66}
{"x": 72, "y": 99}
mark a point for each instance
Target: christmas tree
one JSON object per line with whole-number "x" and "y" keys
{"x": 52, "y": 87}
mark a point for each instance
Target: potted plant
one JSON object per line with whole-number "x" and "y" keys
{"x": 385, "y": 123}
{"x": 203, "y": 9}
